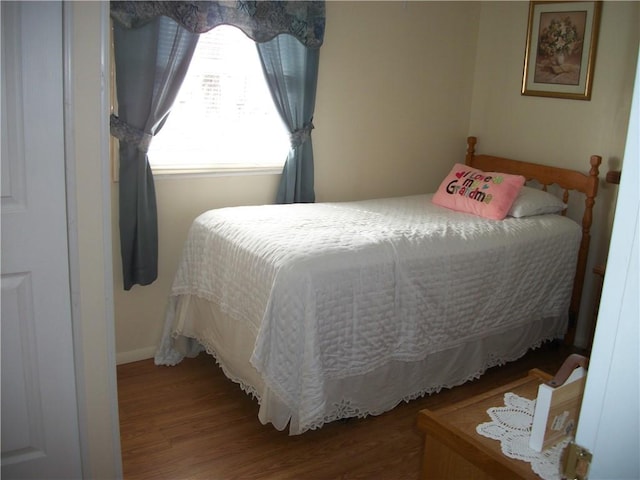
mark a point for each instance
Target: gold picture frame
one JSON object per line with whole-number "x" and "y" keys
{"x": 562, "y": 39}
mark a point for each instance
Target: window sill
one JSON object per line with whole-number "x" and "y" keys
{"x": 172, "y": 173}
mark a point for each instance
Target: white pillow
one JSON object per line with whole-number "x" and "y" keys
{"x": 533, "y": 201}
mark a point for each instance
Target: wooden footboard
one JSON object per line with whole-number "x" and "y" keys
{"x": 566, "y": 179}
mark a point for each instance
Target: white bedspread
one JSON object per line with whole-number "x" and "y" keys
{"x": 336, "y": 290}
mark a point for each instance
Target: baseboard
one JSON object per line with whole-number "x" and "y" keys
{"x": 135, "y": 355}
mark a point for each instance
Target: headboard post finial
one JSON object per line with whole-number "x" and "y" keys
{"x": 471, "y": 149}
{"x": 595, "y": 161}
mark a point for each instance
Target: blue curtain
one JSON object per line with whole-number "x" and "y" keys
{"x": 153, "y": 43}
{"x": 151, "y": 62}
{"x": 291, "y": 70}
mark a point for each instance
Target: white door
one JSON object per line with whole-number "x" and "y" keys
{"x": 40, "y": 436}
{"x": 610, "y": 416}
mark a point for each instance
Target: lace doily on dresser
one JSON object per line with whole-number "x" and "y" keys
{"x": 511, "y": 425}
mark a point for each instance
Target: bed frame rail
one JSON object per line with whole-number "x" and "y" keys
{"x": 568, "y": 180}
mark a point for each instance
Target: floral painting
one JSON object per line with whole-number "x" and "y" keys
{"x": 561, "y": 49}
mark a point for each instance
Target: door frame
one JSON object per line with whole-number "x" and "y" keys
{"x": 100, "y": 451}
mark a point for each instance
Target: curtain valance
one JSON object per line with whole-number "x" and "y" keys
{"x": 260, "y": 20}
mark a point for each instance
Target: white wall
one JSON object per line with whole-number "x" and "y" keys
{"x": 558, "y": 131}
{"x": 392, "y": 110}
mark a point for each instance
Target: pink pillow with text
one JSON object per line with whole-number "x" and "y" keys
{"x": 486, "y": 194}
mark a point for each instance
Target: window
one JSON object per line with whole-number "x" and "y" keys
{"x": 224, "y": 117}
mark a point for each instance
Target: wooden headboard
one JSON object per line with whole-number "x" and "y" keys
{"x": 568, "y": 180}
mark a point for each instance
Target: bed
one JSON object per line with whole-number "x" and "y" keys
{"x": 336, "y": 310}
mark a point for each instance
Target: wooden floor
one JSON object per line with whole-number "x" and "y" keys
{"x": 190, "y": 421}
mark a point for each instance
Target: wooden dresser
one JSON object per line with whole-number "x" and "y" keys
{"x": 453, "y": 449}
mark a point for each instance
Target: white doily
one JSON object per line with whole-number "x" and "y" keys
{"x": 511, "y": 425}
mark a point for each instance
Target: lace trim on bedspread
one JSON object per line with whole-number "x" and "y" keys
{"x": 511, "y": 425}
{"x": 337, "y": 408}
{"x": 345, "y": 407}
{"x": 170, "y": 357}
{"x": 245, "y": 387}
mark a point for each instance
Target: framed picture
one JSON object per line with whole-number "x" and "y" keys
{"x": 561, "y": 49}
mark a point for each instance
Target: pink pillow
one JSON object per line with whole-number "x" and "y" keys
{"x": 486, "y": 194}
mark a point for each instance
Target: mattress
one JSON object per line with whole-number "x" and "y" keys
{"x": 333, "y": 310}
